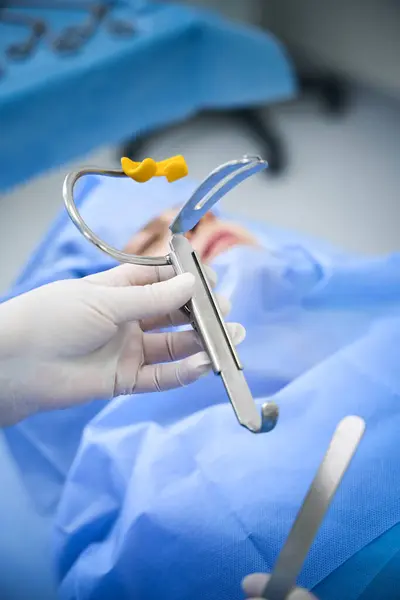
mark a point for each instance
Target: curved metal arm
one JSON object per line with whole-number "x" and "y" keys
{"x": 214, "y": 187}
{"x": 68, "y": 193}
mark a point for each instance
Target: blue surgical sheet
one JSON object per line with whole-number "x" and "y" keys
{"x": 165, "y": 495}
{"x": 55, "y": 108}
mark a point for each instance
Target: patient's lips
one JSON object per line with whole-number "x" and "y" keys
{"x": 219, "y": 242}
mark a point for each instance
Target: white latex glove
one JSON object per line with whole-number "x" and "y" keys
{"x": 254, "y": 585}
{"x": 76, "y": 340}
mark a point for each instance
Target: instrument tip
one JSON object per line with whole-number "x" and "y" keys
{"x": 269, "y": 416}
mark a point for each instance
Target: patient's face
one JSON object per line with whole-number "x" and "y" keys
{"x": 210, "y": 237}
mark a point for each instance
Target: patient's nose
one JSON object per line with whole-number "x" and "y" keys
{"x": 208, "y": 218}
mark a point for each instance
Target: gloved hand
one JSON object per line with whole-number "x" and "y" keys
{"x": 254, "y": 585}
{"x": 75, "y": 340}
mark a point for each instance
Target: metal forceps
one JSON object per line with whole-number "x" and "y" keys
{"x": 73, "y": 37}
{"x": 203, "y": 310}
{"x": 36, "y": 27}
{"x": 281, "y": 584}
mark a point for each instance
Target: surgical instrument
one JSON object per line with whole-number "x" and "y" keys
{"x": 24, "y": 49}
{"x": 335, "y": 463}
{"x": 202, "y": 310}
{"x": 74, "y": 37}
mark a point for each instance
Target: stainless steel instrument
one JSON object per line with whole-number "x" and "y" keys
{"x": 344, "y": 443}
{"x": 203, "y": 310}
{"x": 73, "y": 37}
{"x": 36, "y": 30}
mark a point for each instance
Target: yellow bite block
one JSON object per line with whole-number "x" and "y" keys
{"x": 173, "y": 168}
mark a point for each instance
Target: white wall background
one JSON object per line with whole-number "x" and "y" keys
{"x": 359, "y": 38}
{"x": 249, "y": 11}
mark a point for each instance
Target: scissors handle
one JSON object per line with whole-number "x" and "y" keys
{"x": 68, "y": 193}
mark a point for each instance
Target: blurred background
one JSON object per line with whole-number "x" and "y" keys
{"x": 313, "y": 86}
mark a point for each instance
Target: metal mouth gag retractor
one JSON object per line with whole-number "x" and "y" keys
{"x": 203, "y": 311}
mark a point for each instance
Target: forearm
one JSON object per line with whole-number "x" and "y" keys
{"x": 12, "y": 408}
{"x": 14, "y": 405}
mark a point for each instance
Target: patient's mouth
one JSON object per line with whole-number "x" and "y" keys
{"x": 218, "y": 243}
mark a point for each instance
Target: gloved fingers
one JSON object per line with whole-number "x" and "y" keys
{"x": 135, "y": 303}
{"x": 179, "y": 317}
{"x": 127, "y": 275}
{"x": 253, "y": 586}
{"x": 167, "y": 376}
{"x": 176, "y": 345}
{"x": 301, "y": 594}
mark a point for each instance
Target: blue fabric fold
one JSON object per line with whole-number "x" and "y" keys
{"x": 165, "y": 494}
